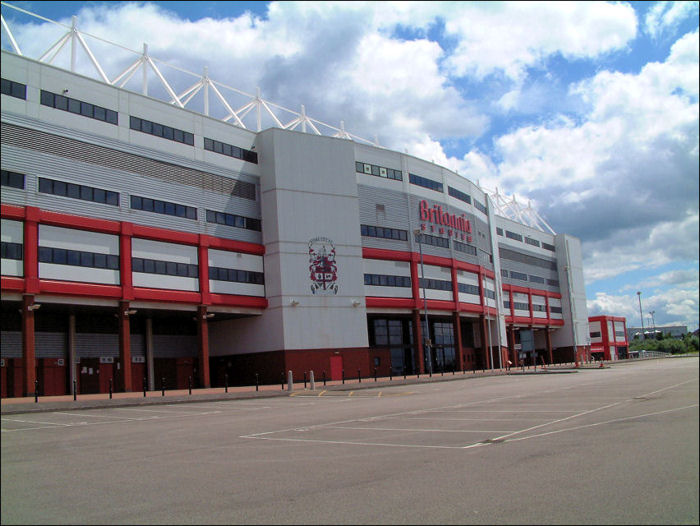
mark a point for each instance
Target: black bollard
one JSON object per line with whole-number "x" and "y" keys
{"x": 162, "y": 386}
{"x": 110, "y": 388}
{"x": 404, "y": 372}
{"x": 145, "y": 385}
{"x": 282, "y": 380}
{"x": 375, "y": 374}
{"x": 36, "y": 391}
{"x": 75, "y": 390}
{"x": 343, "y": 376}
{"x": 226, "y": 382}
{"x": 324, "y": 378}
{"x": 391, "y": 373}
{"x": 256, "y": 381}
{"x": 359, "y": 377}
{"x": 304, "y": 379}
{"x": 189, "y": 383}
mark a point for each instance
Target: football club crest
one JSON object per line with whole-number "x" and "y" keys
{"x": 323, "y": 268}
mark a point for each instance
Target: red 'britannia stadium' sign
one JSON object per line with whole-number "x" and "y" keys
{"x": 450, "y": 224}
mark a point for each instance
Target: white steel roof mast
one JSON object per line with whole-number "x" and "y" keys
{"x": 248, "y": 107}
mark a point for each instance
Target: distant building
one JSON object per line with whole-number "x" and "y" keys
{"x": 676, "y": 331}
{"x": 608, "y": 337}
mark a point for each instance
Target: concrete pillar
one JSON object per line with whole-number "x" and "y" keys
{"x": 548, "y": 336}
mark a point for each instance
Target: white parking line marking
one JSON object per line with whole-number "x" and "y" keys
{"x": 417, "y": 429}
{"x": 35, "y": 422}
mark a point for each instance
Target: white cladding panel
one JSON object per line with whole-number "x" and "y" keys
{"x": 79, "y": 240}
{"x": 439, "y": 273}
{"x": 238, "y": 261}
{"x": 620, "y": 327}
{"x": 12, "y": 232}
{"x": 489, "y": 285}
{"x": 71, "y": 239}
{"x": 159, "y": 251}
{"x": 542, "y": 302}
{"x": 594, "y": 326}
{"x": 224, "y": 259}
{"x": 468, "y": 278}
{"x": 387, "y": 268}
{"x": 310, "y": 207}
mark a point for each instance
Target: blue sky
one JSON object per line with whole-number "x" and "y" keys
{"x": 589, "y": 110}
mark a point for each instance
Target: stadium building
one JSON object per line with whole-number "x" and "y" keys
{"x": 142, "y": 240}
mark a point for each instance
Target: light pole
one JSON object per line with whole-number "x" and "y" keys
{"x": 641, "y": 317}
{"x": 653, "y": 323}
{"x": 427, "y": 345}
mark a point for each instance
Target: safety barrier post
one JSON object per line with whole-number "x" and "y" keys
{"x": 256, "y": 381}
{"x": 75, "y": 390}
{"x": 404, "y": 372}
{"x": 36, "y": 391}
{"x": 359, "y": 377}
{"x": 162, "y": 386}
{"x": 225, "y": 382}
{"x": 343, "y": 376}
{"x": 189, "y": 383}
{"x": 324, "y": 378}
{"x": 282, "y": 380}
{"x": 311, "y": 381}
{"x": 304, "y": 379}
{"x": 290, "y": 382}
{"x": 145, "y": 382}
{"x": 110, "y": 388}
{"x": 375, "y": 374}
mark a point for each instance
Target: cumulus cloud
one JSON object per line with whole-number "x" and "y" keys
{"x": 664, "y": 16}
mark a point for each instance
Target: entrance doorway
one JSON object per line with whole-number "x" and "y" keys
{"x": 336, "y": 367}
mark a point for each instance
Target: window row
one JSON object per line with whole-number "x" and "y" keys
{"x": 513, "y": 235}
{"x": 237, "y": 276}
{"x": 435, "y": 284}
{"x": 78, "y": 191}
{"x": 13, "y": 179}
{"x": 555, "y": 309}
{"x": 167, "y": 268}
{"x": 78, "y": 258}
{"x": 435, "y": 241}
{"x": 457, "y": 194}
{"x": 539, "y": 308}
{"x": 11, "y": 250}
{"x": 378, "y": 171}
{"x": 424, "y": 182}
{"x": 521, "y": 306}
{"x": 160, "y": 130}
{"x": 381, "y": 280}
{"x": 528, "y": 240}
{"x": 163, "y": 207}
{"x": 467, "y": 249}
{"x": 385, "y": 233}
{"x": 526, "y": 259}
{"x": 532, "y": 242}
{"x": 481, "y": 207}
{"x": 14, "y": 89}
{"x": 230, "y": 150}
{"x": 237, "y": 221}
{"x": 468, "y": 289}
{"x": 491, "y": 294}
{"x": 79, "y": 107}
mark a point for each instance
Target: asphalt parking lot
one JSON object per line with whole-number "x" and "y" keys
{"x": 614, "y": 445}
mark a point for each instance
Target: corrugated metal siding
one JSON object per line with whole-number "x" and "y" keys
{"x": 11, "y": 344}
{"x": 50, "y": 344}
{"x": 395, "y": 212}
{"x": 89, "y": 345}
{"x": 71, "y": 160}
{"x": 174, "y": 346}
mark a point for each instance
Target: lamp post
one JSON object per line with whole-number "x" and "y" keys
{"x": 641, "y": 317}
{"x": 427, "y": 345}
{"x": 653, "y": 323}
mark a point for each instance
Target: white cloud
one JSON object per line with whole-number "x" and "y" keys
{"x": 508, "y": 37}
{"x": 666, "y": 16}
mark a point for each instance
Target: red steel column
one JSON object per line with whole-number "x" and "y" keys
{"x": 125, "y": 345}
{"x": 511, "y": 343}
{"x": 549, "y": 345}
{"x": 418, "y": 331}
{"x": 28, "y": 361}
{"x": 458, "y": 339}
{"x": 485, "y": 341}
{"x": 203, "y": 336}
